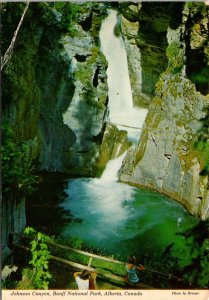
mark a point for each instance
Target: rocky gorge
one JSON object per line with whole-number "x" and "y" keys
{"x": 55, "y": 98}
{"x": 165, "y": 158}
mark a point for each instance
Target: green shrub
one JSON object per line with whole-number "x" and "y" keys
{"x": 40, "y": 259}
{"x": 193, "y": 261}
{"x": 117, "y": 29}
{"x": 175, "y": 55}
{"x": 201, "y": 144}
{"x": 16, "y": 164}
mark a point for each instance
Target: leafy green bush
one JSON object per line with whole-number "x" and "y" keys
{"x": 202, "y": 76}
{"x": 193, "y": 261}
{"x": 16, "y": 164}
{"x": 117, "y": 29}
{"x": 40, "y": 259}
{"x": 197, "y": 7}
{"x": 182, "y": 265}
{"x": 175, "y": 55}
{"x": 202, "y": 143}
{"x": 27, "y": 280}
{"x": 203, "y": 152}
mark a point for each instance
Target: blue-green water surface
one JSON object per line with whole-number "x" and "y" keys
{"x": 120, "y": 219}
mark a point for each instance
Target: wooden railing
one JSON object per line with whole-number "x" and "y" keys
{"x": 108, "y": 276}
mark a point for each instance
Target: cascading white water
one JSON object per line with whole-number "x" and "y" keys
{"x": 105, "y": 196}
{"x": 121, "y": 107}
{"x": 111, "y": 171}
{"x": 120, "y": 103}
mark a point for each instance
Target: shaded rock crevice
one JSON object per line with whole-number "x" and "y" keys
{"x": 197, "y": 44}
{"x": 144, "y": 28}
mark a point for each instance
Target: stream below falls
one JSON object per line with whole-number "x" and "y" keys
{"x": 113, "y": 217}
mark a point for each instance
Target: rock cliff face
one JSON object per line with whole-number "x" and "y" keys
{"x": 74, "y": 95}
{"x": 129, "y": 30}
{"x": 114, "y": 143}
{"x": 59, "y": 101}
{"x": 13, "y": 220}
{"x": 165, "y": 159}
{"x": 54, "y": 93}
{"x": 144, "y": 28}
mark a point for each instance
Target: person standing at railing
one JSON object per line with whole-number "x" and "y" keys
{"x": 132, "y": 268}
{"x": 85, "y": 280}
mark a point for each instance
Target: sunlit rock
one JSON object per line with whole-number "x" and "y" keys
{"x": 166, "y": 159}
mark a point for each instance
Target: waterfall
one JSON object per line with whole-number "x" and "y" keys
{"x": 121, "y": 107}
{"x": 111, "y": 171}
{"x": 120, "y": 104}
{"x": 113, "y": 216}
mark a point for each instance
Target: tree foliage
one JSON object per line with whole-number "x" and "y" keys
{"x": 193, "y": 261}
{"x": 40, "y": 259}
{"x": 182, "y": 265}
{"x": 202, "y": 142}
{"x": 8, "y": 53}
{"x": 16, "y": 164}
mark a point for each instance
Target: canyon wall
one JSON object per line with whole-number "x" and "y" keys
{"x": 54, "y": 99}
{"x": 56, "y": 85}
{"x": 166, "y": 159}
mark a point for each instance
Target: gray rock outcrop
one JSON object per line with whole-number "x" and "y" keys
{"x": 74, "y": 108}
{"x": 165, "y": 159}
